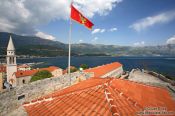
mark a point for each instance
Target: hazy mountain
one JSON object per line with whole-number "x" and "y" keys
{"x": 164, "y": 50}
{"x": 30, "y": 45}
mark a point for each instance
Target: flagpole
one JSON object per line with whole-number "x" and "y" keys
{"x": 69, "y": 56}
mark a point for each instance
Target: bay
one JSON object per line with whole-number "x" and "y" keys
{"x": 163, "y": 65}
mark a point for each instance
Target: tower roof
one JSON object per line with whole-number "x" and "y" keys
{"x": 10, "y": 44}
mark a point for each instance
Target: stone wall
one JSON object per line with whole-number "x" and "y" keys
{"x": 160, "y": 76}
{"x": 12, "y": 100}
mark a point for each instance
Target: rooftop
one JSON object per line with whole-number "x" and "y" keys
{"x": 99, "y": 96}
{"x": 10, "y": 44}
{"x": 104, "y": 69}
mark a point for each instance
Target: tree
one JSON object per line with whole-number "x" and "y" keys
{"x": 73, "y": 69}
{"x": 41, "y": 75}
{"x": 84, "y": 66}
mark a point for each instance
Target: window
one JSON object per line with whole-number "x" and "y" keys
{"x": 21, "y": 97}
{"x": 23, "y": 81}
{"x": 13, "y": 60}
{"x": 10, "y": 60}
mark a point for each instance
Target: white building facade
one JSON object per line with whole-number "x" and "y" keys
{"x": 115, "y": 73}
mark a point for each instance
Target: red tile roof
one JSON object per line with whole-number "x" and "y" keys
{"x": 32, "y": 72}
{"x": 101, "y": 97}
{"x": 2, "y": 68}
{"x": 104, "y": 69}
{"x": 25, "y": 73}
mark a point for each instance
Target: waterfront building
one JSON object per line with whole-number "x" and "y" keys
{"x": 114, "y": 69}
{"x": 24, "y": 77}
{"x": 23, "y": 67}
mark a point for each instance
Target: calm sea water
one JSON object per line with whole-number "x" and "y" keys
{"x": 164, "y": 65}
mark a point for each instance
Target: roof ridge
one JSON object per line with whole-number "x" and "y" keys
{"x": 110, "y": 100}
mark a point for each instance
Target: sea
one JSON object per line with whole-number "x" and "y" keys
{"x": 163, "y": 65}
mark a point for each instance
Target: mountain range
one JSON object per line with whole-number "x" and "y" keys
{"x": 36, "y": 46}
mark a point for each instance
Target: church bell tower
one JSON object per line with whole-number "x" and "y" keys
{"x": 11, "y": 62}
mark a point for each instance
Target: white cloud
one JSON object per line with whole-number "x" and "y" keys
{"x": 113, "y": 29}
{"x": 23, "y": 16}
{"x": 103, "y": 30}
{"x": 98, "y": 31}
{"x": 80, "y": 41}
{"x": 152, "y": 20}
{"x": 171, "y": 40}
{"x": 94, "y": 39}
{"x": 139, "y": 44}
{"x": 92, "y": 7}
{"x": 45, "y": 36}
{"x": 95, "y": 31}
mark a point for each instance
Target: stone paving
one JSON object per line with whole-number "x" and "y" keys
{"x": 139, "y": 76}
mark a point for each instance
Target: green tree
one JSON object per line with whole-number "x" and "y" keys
{"x": 74, "y": 69}
{"x": 41, "y": 75}
{"x": 84, "y": 66}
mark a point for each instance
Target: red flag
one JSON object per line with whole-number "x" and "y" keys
{"x": 77, "y": 16}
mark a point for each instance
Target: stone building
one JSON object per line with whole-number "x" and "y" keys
{"x": 11, "y": 67}
{"x": 114, "y": 69}
{"x": 24, "y": 77}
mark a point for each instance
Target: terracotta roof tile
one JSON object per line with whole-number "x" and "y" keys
{"x": 104, "y": 69}
{"x": 25, "y": 73}
{"x": 106, "y": 97}
{"x": 155, "y": 96}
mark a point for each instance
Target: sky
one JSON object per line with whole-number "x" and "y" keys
{"x": 116, "y": 22}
